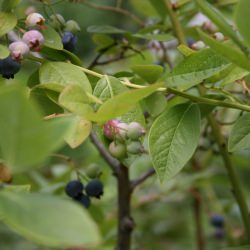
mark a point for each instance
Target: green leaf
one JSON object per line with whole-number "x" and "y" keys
{"x": 17, "y": 188}
{"x": 4, "y": 51}
{"x": 52, "y": 39}
{"x": 173, "y": 139}
{"x": 102, "y": 41}
{"x": 219, "y": 20}
{"x": 159, "y": 6}
{"x": 239, "y": 138}
{"x": 242, "y": 18}
{"x": 25, "y": 139}
{"x": 79, "y": 132}
{"x": 49, "y": 220}
{"x": 226, "y": 50}
{"x": 195, "y": 68}
{"x": 105, "y": 29}
{"x": 8, "y": 5}
{"x": 158, "y": 37}
{"x": 150, "y": 73}
{"x": 64, "y": 74}
{"x": 122, "y": 103}
{"x": 7, "y": 22}
{"x": 108, "y": 87}
{"x": 76, "y": 100}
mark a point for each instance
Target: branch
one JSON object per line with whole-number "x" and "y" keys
{"x": 112, "y": 162}
{"x": 141, "y": 179}
{"x": 116, "y": 10}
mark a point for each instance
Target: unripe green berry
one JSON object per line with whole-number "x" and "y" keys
{"x": 135, "y": 130}
{"x": 57, "y": 21}
{"x": 117, "y": 150}
{"x": 93, "y": 171}
{"x": 72, "y": 26}
{"x": 134, "y": 147}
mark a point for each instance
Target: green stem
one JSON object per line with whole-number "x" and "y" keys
{"x": 234, "y": 179}
{"x": 175, "y": 22}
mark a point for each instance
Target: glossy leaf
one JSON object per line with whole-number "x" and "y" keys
{"x": 48, "y": 220}
{"x": 226, "y": 50}
{"x": 7, "y": 22}
{"x": 122, "y": 103}
{"x": 150, "y": 73}
{"x": 25, "y": 139}
{"x": 239, "y": 138}
{"x": 108, "y": 87}
{"x": 105, "y": 29}
{"x": 4, "y": 52}
{"x": 52, "y": 39}
{"x": 173, "y": 139}
{"x": 63, "y": 74}
{"x": 195, "y": 68}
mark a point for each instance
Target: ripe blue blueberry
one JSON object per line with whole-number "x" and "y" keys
{"x": 69, "y": 41}
{"x": 9, "y": 67}
{"x": 84, "y": 200}
{"x": 217, "y": 220}
{"x": 94, "y": 189}
{"x": 74, "y": 188}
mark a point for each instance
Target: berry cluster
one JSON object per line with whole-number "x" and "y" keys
{"x": 69, "y": 28}
{"x": 126, "y": 138}
{"x": 218, "y": 222}
{"x": 75, "y": 189}
{"x": 31, "y": 40}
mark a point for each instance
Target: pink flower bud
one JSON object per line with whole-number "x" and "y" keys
{"x": 18, "y": 50}
{"x": 34, "y": 19}
{"x": 110, "y": 129}
{"x": 34, "y": 39}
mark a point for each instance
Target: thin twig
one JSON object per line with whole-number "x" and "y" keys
{"x": 116, "y": 10}
{"x": 112, "y": 162}
{"x": 142, "y": 178}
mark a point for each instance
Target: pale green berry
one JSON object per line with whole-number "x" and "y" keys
{"x": 134, "y": 147}
{"x": 135, "y": 130}
{"x": 117, "y": 150}
{"x": 72, "y": 26}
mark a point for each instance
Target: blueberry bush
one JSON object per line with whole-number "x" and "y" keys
{"x": 124, "y": 124}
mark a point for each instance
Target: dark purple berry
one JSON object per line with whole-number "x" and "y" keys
{"x": 94, "y": 189}
{"x": 217, "y": 220}
{"x": 74, "y": 188}
{"x": 9, "y": 67}
{"x": 69, "y": 41}
{"x": 84, "y": 200}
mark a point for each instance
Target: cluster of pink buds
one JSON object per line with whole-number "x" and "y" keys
{"x": 32, "y": 40}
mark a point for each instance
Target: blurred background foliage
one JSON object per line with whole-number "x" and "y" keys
{"x": 164, "y": 213}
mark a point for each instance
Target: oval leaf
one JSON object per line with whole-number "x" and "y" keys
{"x": 7, "y": 22}
{"x": 48, "y": 220}
{"x": 64, "y": 74}
{"x": 239, "y": 138}
{"x": 52, "y": 39}
{"x": 173, "y": 139}
{"x": 195, "y": 68}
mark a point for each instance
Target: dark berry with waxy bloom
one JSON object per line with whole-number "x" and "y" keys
{"x": 9, "y": 67}
{"x": 94, "y": 189}
{"x": 84, "y": 200}
{"x": 217, "y": 220}
{"x": 69, "y": 41}
{"x": 74, "y": 188}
